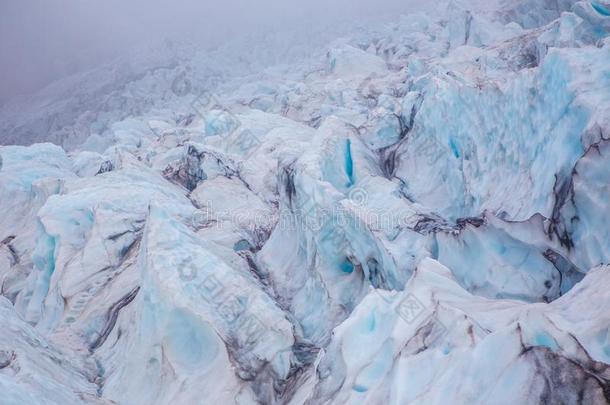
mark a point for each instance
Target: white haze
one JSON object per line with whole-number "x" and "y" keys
{"x": 43, "y": 40}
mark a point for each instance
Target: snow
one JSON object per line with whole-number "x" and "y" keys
{"x": 415, "y": 212}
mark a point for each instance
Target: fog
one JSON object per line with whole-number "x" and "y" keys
{"x": 43, "y": 40}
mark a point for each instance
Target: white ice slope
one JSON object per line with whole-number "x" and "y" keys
{"x": 417, "y": 213}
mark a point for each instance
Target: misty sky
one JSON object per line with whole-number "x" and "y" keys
{"x": 42, "y": 40}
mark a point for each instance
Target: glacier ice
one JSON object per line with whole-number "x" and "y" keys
{"x": 415, "y": 212}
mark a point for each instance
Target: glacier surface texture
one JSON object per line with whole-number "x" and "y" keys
{"x": 414, "y": 212}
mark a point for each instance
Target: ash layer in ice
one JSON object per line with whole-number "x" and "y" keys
{"x": 415, "y": 214}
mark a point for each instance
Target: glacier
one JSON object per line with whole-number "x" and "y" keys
{"x": 407, "y": 212}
